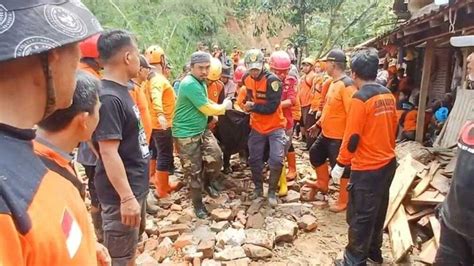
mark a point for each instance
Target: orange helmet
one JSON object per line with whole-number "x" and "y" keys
{"x": 239, "y": 73}
{"x": 155, "y": 54}
{"x": 89, "y": 47}
{"x": 215, "y": 70}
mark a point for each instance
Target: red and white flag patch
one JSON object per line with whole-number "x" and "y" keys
{"x": 72, "y": 232}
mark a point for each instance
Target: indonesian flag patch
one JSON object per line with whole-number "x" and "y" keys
{"x": 72, "y": 232}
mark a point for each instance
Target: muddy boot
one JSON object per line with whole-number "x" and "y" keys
{"x": 97, "y": 221}
{"x": 257, "y": 179}
{"x": 199, "y": 207}
{"x": 209, "y": 189}
{"x": 272, "y": 187}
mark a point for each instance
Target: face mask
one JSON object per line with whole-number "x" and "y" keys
{"x": 470, "y": 77}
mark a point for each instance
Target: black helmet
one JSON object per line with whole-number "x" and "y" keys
{"x": 36, "y": 26}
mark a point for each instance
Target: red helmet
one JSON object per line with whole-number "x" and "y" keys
{"x": 280, "y": 60}
{"x": 89, "y": 47}
{"x": 239, "y": 73}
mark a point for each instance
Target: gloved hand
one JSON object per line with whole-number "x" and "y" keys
{"x": 228, "y": 104}
{"x": 311, "y": 112}
{"x": 163, "y": 122}
{"x": 336, "y": 173}
{"x": 318, "y": 115}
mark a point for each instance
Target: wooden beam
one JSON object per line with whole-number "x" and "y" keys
{"x": 401, "y": 183}
{"x": 426, "y": 180}
{"x": 425, "y": 84}
{"x": 401, "y": 239}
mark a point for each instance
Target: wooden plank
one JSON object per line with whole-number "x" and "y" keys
{"x": 423, "y": 222}
{"x": 412, "y": 209}
{"x": 436, "y": 229}
{"x": 400, "y": 235}
{"x": 425, "y": 182}
{"x": 441, "y": 183}
{"x": 431, "y": 197}
{"x": 424, "y": 88}
{"x": 449, "y": 169}
{"x": 428, "y": 253}
{"x": 420, "y": 214}
{"x": 402, "y": 181}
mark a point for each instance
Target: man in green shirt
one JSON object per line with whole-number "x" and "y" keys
{"x": 201, "y": 156}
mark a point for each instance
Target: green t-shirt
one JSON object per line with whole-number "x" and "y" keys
{"x": 188, "y": 121}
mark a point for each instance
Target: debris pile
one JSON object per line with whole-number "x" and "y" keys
{"x": 418, "y": 187}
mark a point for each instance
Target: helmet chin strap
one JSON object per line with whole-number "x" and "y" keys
{"x": 50, "y": 92}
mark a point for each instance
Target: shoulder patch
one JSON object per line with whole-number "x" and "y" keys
{"x": 275, "y": 86}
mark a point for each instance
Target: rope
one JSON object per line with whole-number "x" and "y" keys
{"x": 452, "y": 20}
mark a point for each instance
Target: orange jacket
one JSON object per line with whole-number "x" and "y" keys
{"x": 161, "y": 99}
{"x": 266, "y": 115}
{"x": 319, "y": 81}
{"x": 241, "y": 97}
{"x": 306, "y": 92}
{"x": 43, "y": 218}
{"x": 324, "y": 92}
{"x": 369, "y": 138}
{"x": 408, "y": 120}
{"x": 215, "y": 91}
{"x": 296, "y": 110}
{"x": 89, "y": 69}
{"x": 139, "y": 97}
{"x": 336, "y": 108}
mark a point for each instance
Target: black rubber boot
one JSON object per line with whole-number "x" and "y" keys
{"x": 272, "y": 187}
{"x": 257, "y": 179}
{"x": 199, "y": 207}
{"x": 209, "y": 189}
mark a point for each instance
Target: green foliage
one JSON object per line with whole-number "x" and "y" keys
{"x": 324, "y": 24}
{"x": 175, "y": 25}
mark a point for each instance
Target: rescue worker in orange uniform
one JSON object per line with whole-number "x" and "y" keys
{"x": 240, "y": 71}
{"x": 43, "y": 218}
{"x": 292, "y": 81}
{"x": 86, "y": 154}
{"x": 59, "y": 134}
{"x": 280, "y": 64}
{"x": 138, "y": 94}
{"x": 305, "y": 95}
{"x": 267, "y": 122}
{"x": 332, "y": 123}
{"x": 368, "y": 147}
{"x": 215, "y": 87}
{"x": 161, "y": 102}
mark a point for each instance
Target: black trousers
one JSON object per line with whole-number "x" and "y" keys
{"x": 307, "y": 122}
{"x": 454, "y": 249}
{"x": 323, "y": 149}
{"x": 368, "y": 203}
{"x": 163, "y": 141}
